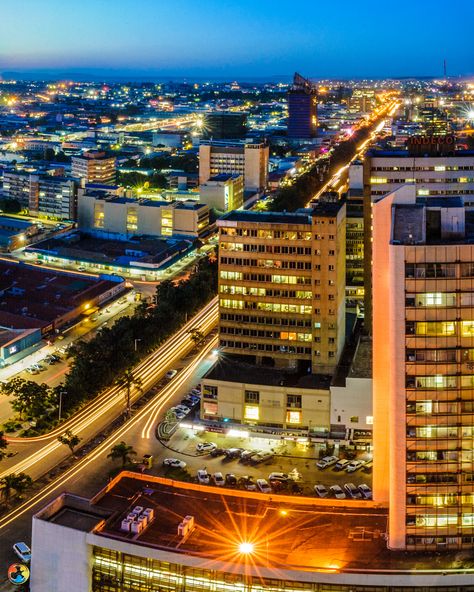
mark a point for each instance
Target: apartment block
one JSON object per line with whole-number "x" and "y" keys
{"x": 249, "y": 159}
{"x": 94, "y": 167}
{"x": 423, "y": 359}
{"x": 282, "y": 286}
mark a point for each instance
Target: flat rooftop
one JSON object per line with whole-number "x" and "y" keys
{"x": 294, "y": 533}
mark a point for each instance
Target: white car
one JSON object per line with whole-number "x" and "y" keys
{"x": 183, "y": 409}
{"x": 354, "y": 465}
{"x": 23, "y": 551}
{"x": 218, "y": 479}
{"x": 178, "y": 413}
{"x": 175, "y": 463}
{"x": 206, "y": 446}
{"x": 264, "y": 486}
{"x": 171, "y": 373}
{"x": 320, "y": 490}
{"x": 327, "y": 461}
{"x": 203, "y": 477}
{"x": 337, "y": 492}
{"x": 365, "y": 491}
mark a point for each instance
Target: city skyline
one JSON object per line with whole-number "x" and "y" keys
{"x": 148, "y": 41}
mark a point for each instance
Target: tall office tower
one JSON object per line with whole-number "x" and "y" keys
{"x": 237, "y": 158}
{"x": 363, "y": 100}
{"x": 423, "y": 348}
{"x": 94, "y": 167}
{"x": 282, "y": 286}
{"x": 221, "y": 125}
{"x": 302, "y": 109}
{"x": 431, "y": 165}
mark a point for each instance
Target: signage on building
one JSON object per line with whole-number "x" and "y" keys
{"x": 431, "y": 145}
{"x": 18, "y": 573}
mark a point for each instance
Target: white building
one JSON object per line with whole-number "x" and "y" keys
{"x": 224, "y": 192}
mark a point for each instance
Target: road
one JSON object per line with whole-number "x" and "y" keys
{"x": 87, "y": 475}
{"x": 36, "y": 456}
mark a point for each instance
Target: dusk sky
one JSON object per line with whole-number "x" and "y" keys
{"x": 338, "y": 38}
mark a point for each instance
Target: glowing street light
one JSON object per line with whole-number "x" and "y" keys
{"x": 246, "y": 548}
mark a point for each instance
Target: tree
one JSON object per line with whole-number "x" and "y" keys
{"x": 70, "y": 440}
{"x": 14, "y": 482}
{"x": 122, "y": 451}
{"x": 3, "y": 446}
{"x": 128, "y": 380}
{"x": 30, "y": 398}
{"x": 197, "y": 336}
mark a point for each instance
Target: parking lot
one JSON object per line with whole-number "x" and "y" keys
{"x": 242, "y": 459}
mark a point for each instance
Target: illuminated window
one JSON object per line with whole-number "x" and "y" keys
{"x": 378, "y": 180}
{"x": 467, "y": 328}
{"x": 210, "y": 408}
{"x": 288, "y": 336}
{"x": 440, "y": 328}
{"x": 251, "y": 412}
{"x": 293, "y": 417}
{"x": 369, "y": 420}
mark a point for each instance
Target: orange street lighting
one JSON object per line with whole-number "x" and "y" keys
{"x": 246, "y": 548}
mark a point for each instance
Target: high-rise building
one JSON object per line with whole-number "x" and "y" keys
{"x": 423, "y": 360}
{"x": 434, "y": 169}
{"x": 282, "y": 286}
{"x": 237, "y": 158}
{"x": 94, "y": 167}
{"x": 223, "y": 192}
{"x": 302, "y": 109}
{"x": 221, "y": 125}
{"x": 363, "y": 100}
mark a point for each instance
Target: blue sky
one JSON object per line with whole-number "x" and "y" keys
{"x": 329, "y": 38}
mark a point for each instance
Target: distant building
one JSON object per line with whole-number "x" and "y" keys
{"x": 125, "y": 216}
{"x": 94, "y": 167}
{"x": 363, "y": 100}
{"x": 222, "y": 125}
{"x": 237, "y": 158}
{"x": 302, "y": 109}
{"x": 171, "y": 139}
{"x": 282, "y": 286}
{"x": 223, "y": 192}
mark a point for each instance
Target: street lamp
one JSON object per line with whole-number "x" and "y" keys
{"x": 246, "y": 548}
{"x": 135, "y": 341}
{"x": 61, "y": 393}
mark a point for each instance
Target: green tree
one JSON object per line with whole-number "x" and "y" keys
{"x": 123, "y": 452}
{"x": 3, "y": 446}
{"x": 70, "y": 440}
{"x": 128, "y": 381}
{"x": 14, "y": 482}
{"x": 29, "y": 397}
{"x": 197, "y": 336}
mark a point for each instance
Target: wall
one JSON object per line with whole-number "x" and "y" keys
{"x": 352, "y": 400}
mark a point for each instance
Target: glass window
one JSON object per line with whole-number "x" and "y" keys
{"x": 436, "y": 328}
{"x": 467, "y": 328}
{"x": 252, "y": 397}
{"x": 293, "y": 417}
{"x": 251, "y": 412}
{"x": 294, "y": 401}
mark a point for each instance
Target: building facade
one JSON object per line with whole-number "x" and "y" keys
{"x": 249, "y": 159}
{"x": 423, "y": 338}
{"x": 302, "y": 109}
{"x": 94, "y": 167}
{"x": 223, "y": 192}
{"x": 127, "y": 216}
{"x": 221, "y": 125}
{"x": 282, "y": 286}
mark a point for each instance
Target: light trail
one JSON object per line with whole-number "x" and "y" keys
{"x": 152, "y": 407}
{"x": 148, "y": 371}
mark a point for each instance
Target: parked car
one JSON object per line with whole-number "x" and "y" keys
{"x": 247, "y": 483}
{"x": 320, "y": 490}
{"x": 367, "y": 468}
{"x": 365, "y": 491}
{"x": 205, "y": 446}
{"x": 175, "y": 463}
{"x": 352, "y": 491}
{"x": 246, "y": 455}
{"x": 261, "y": 457}
{"x": 337, "y": 492}
{"x": 183, "y": 408}
{"x": 341, "y": 464}
{"x": 203, "y": 477}
{"x": 219, "y": 479}
{"x": 22, "y": 551}
{"x": 232, "y": 453}
{"x": 264, "y": 486}
{"x": 283, "y": 477}
{"x": 354, "y": 465}
{"x": 230, "y": 480}
{"x": 327, "y": 461}
{"x": 178, "y": 414}
{"x": 171, "y": 373}
{"x": 218, "y": 452}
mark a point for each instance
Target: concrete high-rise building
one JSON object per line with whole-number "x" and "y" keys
{"x": 94, "y": 167}
{"x": 221, "y": 125}
{"x": 224, "y": 192}
{"x": 363, "y": 100}
{"x": 237, "y": 158}
{"x": 423, "y": 360}
{"x": 282, "y": 286}
{"x": 302, "y": 109}
{"x": 433, "y": 168}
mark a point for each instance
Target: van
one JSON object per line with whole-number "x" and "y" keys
{"x": 342, "y": 464}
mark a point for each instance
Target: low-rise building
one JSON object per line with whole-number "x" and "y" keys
{"x": 224, "y": 192}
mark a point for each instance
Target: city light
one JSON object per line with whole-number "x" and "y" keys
{"x": 246, "y": 548}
